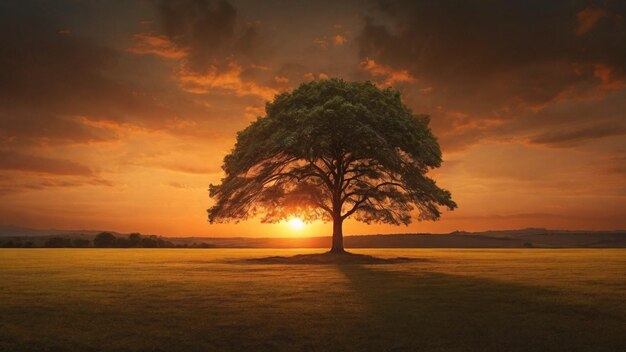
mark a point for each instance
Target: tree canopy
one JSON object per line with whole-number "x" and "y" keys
{"x": 329, "y": 150}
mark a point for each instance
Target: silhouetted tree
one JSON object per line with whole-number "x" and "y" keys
{"x": 105, "y": 239}
{"x": 80, "y": 243}
{"x": 329, "y": 150}
{"x": 122, "y": 242}
{"x": 163, "y": 243}
{"x": 135, "y": 239}
{"x": 8, "y": 244}
{"x": 58, "y": 242}
{"x": 149, "y": 242}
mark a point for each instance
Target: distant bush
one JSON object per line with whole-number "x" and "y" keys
{"x": 161, "y": 243}
{"x": 16, "y": 244}
{"x": 134, "y": 239}
{"x": 156, "y": 242}
{"x": 149, "y": 242}
{"x": 58, "y": 242}
{"x": 105, "y": 240}
{"x": 122, "y": 242}
{"x": 200, "y": 245}
{"x": 81, "y": 243}
{"x": 9, "y": 244}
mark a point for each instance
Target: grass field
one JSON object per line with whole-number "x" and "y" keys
{"x": 210, "y": 300}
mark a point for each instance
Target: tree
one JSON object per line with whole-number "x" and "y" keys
{"x": 58, "y": 242}
{"x": 329, "y": 150}
{"x": 9, "y": 244}
{"x": 134, "y": 239}
{"x": 105, "y": 240}
{"x": 81, "y": 243}
{"x": 149, "y": 242}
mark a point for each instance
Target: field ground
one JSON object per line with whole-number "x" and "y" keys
{"x": 210, "y": 300}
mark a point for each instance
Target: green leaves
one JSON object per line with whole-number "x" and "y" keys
{"x": 332, "y": 149}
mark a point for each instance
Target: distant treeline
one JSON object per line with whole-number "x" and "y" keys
{"x": 104, "y": 240}
{"x": 523, "y": 238}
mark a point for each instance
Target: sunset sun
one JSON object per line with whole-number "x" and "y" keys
{"x": 296, "y": 224}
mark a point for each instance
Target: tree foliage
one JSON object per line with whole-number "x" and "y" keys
{"x": 332, "y": 149}
{"x": 104, "y": 239}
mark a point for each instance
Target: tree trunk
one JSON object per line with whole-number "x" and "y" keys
{"x": 337, "y": 236}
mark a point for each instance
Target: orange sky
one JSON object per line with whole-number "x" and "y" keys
{"x": 117, "y": 115}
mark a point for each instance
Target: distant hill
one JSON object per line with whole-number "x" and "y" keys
{"x": 523, "y": 238}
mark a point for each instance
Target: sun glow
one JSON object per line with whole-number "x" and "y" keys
{"x": 296, "y": 224}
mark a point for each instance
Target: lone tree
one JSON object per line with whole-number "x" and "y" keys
{"x": 332, "y": 149}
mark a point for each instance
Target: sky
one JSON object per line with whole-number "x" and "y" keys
{"x": 116, "y": 115}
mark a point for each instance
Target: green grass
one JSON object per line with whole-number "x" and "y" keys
{"x": 210, "y": 300}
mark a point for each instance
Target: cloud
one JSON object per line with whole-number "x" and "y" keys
{"x": 570, "y": 122}
{"x": 456, "y": 46}
{"x": 525, "y": 216}
{"x": 389, "y": 75}
{"x": 339, "y": 40}
{"x": 10, "y": 160}
{"x": 215, "y": 51}
{"x": 56, "y": 71}
{"x": 321, "y": 43}
{"x": 52, "y": 84}
{"x": 335, "y": 40}
{"x": 588, "y": 18}
{"x": 615, "y": 164}
{"x": 205, "y": 28}
{"x": 500, "y": 61}
{"x": 214, "y": 79}
{"x": 576, "y": 136}
{"x": 37, "y": 128}
{"x": 210, "y": 31}
{"x": 281, "y": 79}
{"x": 190, "y": 169}
{"x": 177, "y": 185}
{"x": 157, "y": 45}
{"x": 611, "y": 78}
{"x": 19, "y": 184}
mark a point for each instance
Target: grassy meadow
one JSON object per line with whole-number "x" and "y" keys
{"x": 212, "y": 300}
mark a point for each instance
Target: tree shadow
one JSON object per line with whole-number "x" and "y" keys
{"x": 331, "y": 258}
{"x": 430, "y": 311}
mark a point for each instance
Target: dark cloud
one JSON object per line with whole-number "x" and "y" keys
{"x": 39, "y": 127}
{"x": 616, "y": 165}
{"x": 210, "y": 30}
{"x": 50, "y": 82}
{"x": 13, "y": 185}
{"x": 572, "y": 137}
{"x": 499, "y": 60}
{"x": 41, "y": 65}
{"x": 200, "y": 170}
{"x": 570, "y": 122}
{"x": 56, "y": 87}
{"x": 55, "y": 72}
{"x": 10, "y": 160}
